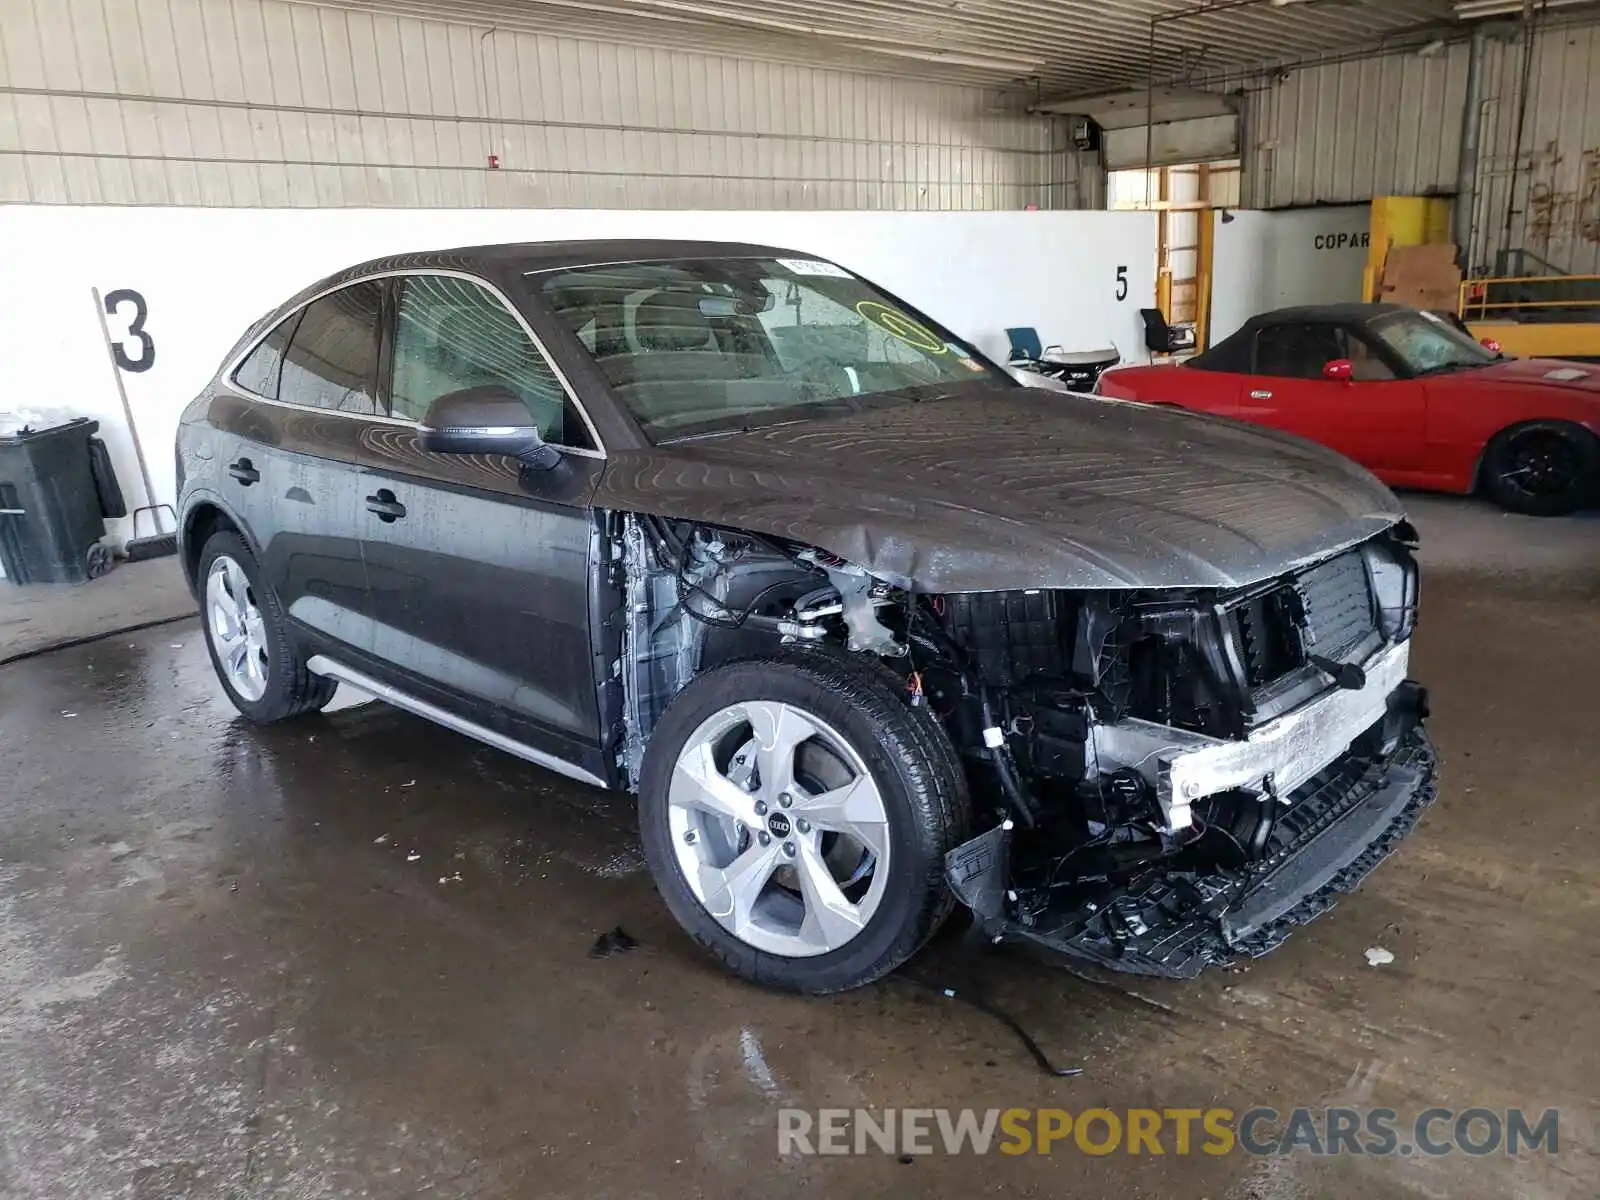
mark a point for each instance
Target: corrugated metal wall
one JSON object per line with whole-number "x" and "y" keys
{"x": 1542, "y": 195}
{"x": 1388, "y": 125}
{"x": 1391, "y": 125}
{"x": 272, "y": 104}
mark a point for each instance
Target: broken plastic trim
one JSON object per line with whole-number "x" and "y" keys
{"x": 1277, "y": 756}
{"x": 1170, "y": 920}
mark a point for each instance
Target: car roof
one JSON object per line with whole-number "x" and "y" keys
{"x": 536, "y": 256}
{"x": 518, "y": 257}
{"x": 501, "y": 263}
{"x": 1233, "y": 352}
{"x": 1343, "y": 313}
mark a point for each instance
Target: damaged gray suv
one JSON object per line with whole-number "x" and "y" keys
{"x": 868, "y": 628}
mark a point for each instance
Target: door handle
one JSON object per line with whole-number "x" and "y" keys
{"x": 1261, "y": 394}
{"x": 387, "y": 508}
{"x": 244, "y": 471}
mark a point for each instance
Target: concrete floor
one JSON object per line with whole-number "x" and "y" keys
{"x": 239, "y": 962}
{"x": 39, "y": 616}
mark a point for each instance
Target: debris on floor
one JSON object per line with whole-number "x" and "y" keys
{"x": 381, "y": 840}
{"x": 617, "y": 941}
{"x": 1377, "y": 956}
{"x": 413, "y": 857}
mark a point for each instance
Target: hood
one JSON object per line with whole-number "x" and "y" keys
{"x": 1546, "y": 372}
{"x": 994, "y": 488}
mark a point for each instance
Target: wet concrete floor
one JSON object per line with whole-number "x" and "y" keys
{"x": 351, "y": 958}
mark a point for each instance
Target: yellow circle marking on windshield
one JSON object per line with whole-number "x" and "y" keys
{"x": 895, "y": 322}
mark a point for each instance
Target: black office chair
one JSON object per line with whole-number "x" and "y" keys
{"x": 1161, "y": 338}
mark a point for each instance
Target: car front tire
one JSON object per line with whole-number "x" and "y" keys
{"x": 247, "y": 634}
{"x": 1542, "y": 468}
{"x": 795, "y": 812}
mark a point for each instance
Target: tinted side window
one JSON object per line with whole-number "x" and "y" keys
{"x": 260, "y": 372}
{"x": 1298, "y": 351}
{"x": 452, "y": 334}
{"x": 333, "y": 356}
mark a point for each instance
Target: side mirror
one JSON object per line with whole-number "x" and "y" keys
{"x": 1340, "y": 370}
{"x": 488, "y": 419}
{"x": 1489, "y": 344}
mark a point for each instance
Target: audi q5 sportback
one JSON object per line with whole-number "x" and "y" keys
{"x": 868, "y": 627}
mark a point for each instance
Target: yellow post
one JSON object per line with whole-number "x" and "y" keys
{"x": 1205, "y": 242}
{"x": 1163, "y": 249}
{"x": 1402, "y": 221}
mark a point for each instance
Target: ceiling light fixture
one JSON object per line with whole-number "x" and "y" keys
{"x": 1467, "y": 10}
{"x": 957, "y": 59}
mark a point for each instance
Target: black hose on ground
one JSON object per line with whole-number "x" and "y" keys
{"x": 69, "y": 643}
{"x": 978, "y": 1001}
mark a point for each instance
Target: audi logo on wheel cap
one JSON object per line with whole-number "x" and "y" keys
{"x": 778, "y": 825}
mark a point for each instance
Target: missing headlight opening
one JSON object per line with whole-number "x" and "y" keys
{"x": 1162, "y": 780}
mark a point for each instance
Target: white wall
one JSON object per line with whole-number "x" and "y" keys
{"x": 206, "y": 274}
{"x": 1268, "y": 260}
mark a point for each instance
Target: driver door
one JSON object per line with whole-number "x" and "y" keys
{"x": 1373, "y": 417}
{"x": 479, "y": 570}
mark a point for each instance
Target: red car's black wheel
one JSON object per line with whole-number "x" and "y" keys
{"x": 1543, "y": 468}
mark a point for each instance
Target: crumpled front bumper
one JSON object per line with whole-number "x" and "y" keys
{"x": 1166, "y": 919}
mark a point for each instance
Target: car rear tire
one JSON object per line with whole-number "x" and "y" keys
{"x": 795, "y": 812}
{"x": 248, "y": 637}
{"x": 1542, "y": 468}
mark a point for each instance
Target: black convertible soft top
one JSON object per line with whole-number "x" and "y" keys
{"x": 1232, "y": 353}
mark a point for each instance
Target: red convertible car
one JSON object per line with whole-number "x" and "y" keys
{"x": 1406, "y": 394}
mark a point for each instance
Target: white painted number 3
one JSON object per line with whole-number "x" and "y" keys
{"x": 136, "y": 337}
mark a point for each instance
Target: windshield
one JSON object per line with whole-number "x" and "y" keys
{"x": 1429, "y": 345}
{"x": 703, "y": 346}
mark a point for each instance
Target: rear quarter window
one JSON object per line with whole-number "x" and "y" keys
{"x": 262, "y": 371}
{"x": 332, "y": 359}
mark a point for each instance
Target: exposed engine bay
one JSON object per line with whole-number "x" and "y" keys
{"x": 1164, "y": 779}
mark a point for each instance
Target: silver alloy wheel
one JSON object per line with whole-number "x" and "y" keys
{"x": 235, "y": 627}
{"x": 779, "y": 829}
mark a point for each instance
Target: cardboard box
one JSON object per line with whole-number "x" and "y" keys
{"x": 1422, "y": 277}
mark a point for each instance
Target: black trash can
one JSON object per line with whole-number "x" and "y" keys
{"x": 50, "y": 509}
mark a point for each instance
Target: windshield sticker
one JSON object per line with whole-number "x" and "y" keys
{"x": 810, "y": 266}
{"x": 894, "y": 322}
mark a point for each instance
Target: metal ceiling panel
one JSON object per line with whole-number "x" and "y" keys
{"x": 1056, "y": 47}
